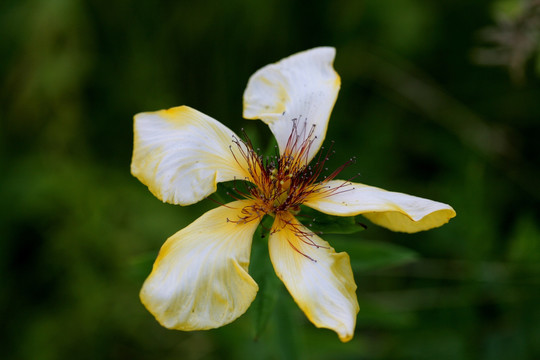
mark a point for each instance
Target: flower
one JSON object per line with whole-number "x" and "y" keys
{"x": 200, "y": 278}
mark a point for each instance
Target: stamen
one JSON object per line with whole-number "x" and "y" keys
{"x": 251, "y": 212}
{"x": 301, "y": 253}
{"x": 279, "y": 184}
{"x": 220, "y": 203}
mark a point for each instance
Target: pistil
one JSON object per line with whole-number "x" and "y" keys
{"x": 280, "y": 184}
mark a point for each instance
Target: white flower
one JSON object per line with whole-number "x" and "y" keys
{"x": 200, "y": 279}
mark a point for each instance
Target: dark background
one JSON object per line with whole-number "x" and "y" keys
{"x": 439, "y": 99}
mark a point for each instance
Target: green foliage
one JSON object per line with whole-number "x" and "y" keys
{"x": 418, "y": 108}
{"x": 322, "y": 224}
{"x": 263, "y": 273}
{"x": 374, "y": 255}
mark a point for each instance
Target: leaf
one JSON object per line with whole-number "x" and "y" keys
{"x": 262, "y": 271}
{"x": 369, "y": 255}
{"x": 223, "y": 192}
{"x": 322, "y": 223}
{"x": 230, "y": 191}
{"x": 287, "y": 329}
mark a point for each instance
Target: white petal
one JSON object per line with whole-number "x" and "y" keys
{"x": 303, "y": 86}
{"x": 181, "y": 154}
{"x": 395, "y": 211}
{"x": 319, "y": 279}
{"x": 200, "y": 279}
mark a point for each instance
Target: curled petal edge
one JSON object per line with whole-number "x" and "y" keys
{"x": 298, "y": 91}
{"x": 181, "y": 154}
{"x": 392, "y": 210}
{"x": 200, "y": 278}
{"x": 320, "y": 280}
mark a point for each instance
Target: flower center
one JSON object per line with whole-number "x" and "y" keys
{"x": 282, "y": 183}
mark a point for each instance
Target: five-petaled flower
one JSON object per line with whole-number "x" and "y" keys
{"x": 200, "y": 278}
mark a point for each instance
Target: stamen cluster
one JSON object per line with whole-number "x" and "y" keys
{"x": 282, "y": 183}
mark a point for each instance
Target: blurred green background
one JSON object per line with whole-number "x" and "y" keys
{"x": 438, "y": 99}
